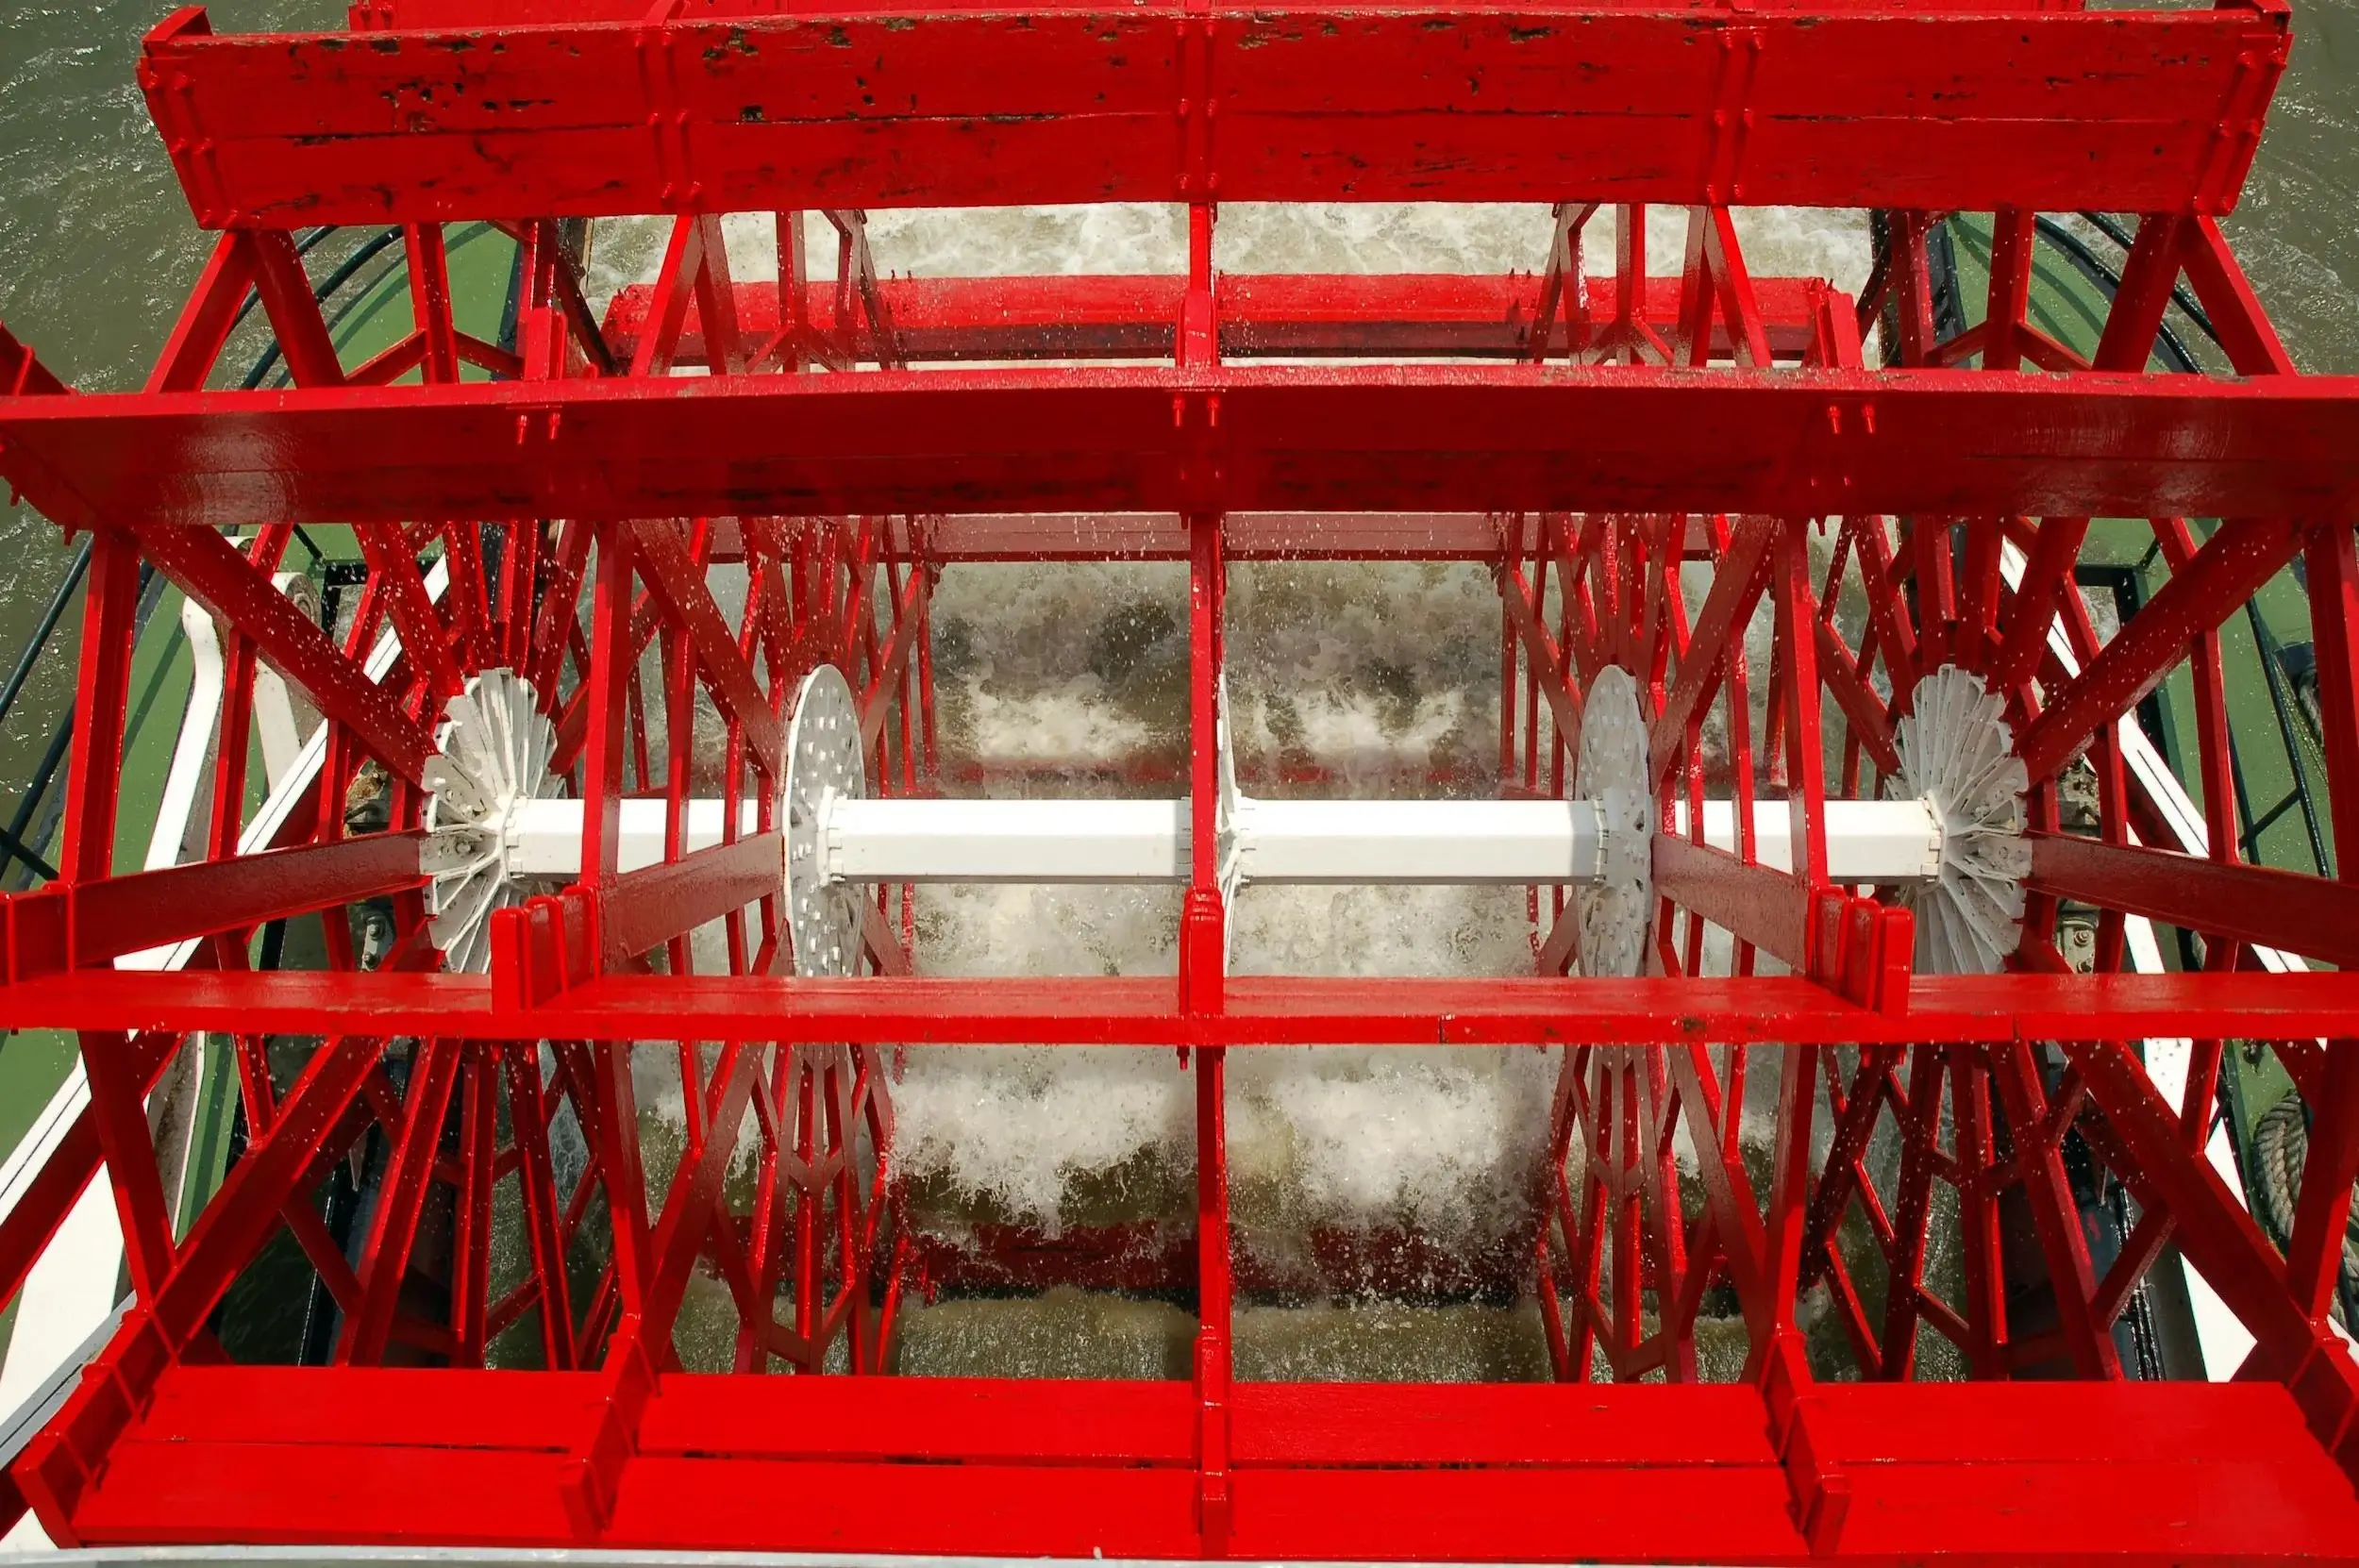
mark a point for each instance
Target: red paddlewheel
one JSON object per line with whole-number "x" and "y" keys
{"x": 1811, "y": 1240}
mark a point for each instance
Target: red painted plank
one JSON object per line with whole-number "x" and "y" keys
{"x": 489, "y": 13}
{"x": 2230, "y": 568}
{"x": 22, "y": 374}
{"x": 1846, "y": 110}
{"x": 1244, "y": 536}
{"x": 218, "y": 575}
{"x": 1604, "y": 1515}
{"x": 1128, "y": 317}
{"x": 1162, "y": 535}
{"x": 973, "y": 1420}
{"x": 1970, "y": 1473}
{"x": 1261, "y": 1010}
{"x": 93, "y": 922}
{"x": 955, "y": 106}
{"x": 2233, "y": 1510}
{"x": 1278, "y": 1425}
{"x": 1067, "y": 1421}
{"x": 398, "y": 1406}
{"x": 2057, "y": 1423}
{"x": 952, "y": 1509}
{"x": 2215, "y": 1508}
{"x": 1295, "y": 438}
{"x": 669, "y": 899}
{"x": 282, "y": 1493}
{"x": 2309, "y": 915}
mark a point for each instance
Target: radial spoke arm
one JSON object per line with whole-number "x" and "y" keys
{"x": 2223, "y": 575}
{"x": 652, "y": 905}
{"x": 2292, "y": 914}
{"x": 95, "y": 923}
{"x": 1766, "y": 907}
{"x": 678, "y": 584}
{"x": 1736, "y": 587}
{"x": 211, "y": 570}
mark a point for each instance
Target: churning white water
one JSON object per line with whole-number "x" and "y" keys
{"x": 1070, "y": 680}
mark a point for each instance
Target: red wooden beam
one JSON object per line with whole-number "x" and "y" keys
{"x": 43, "y": 1203}
{"x": 1738, "y": 578}
{"x": 400, "y": 1203}
{"x": 414, "y": 14}
{"x": 1767, "y": 909}
{"x": 285, "y": 290}
{"x": 677, "y": 583}
{"x": 2132, "y": 1472}
{"x": 101, "y": 697}
{"x": 93, "y": 922}
{"x": 969, "y": 106}
{"x": 2048, "y": 1194}
{"x": 1262, "y": 1011}
{"x": 1400, "y": 315}
{"x": 1296, "y": 437}
{"x": 424, "y": 640}
{"x": 885, "y": 688}
{"x": 2313, "y": 1251}
{"x": 1549, "y": 665}
{"x": 2228, "y": 570}
{"x": 1863, "y": 709}
{"x": 22, "y": 374}
{"x": 2213, "y": 1230}
{"x": 58, "y": 1465}
{"x": 654, "y": 904}
{"x": 695, "y": 1188}
{"x": 2309, "y": 915}
{"x": 211, "y": 570}
{"x": 1246, "y": 536}
{"x": 2228, "y": 300}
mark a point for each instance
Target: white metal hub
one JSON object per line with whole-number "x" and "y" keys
{"x": 1617, "y": 911}
{"x": 493, "y": 757}
{"x": 497, "y": 824}
{"x": 823, "y": 770}
{"x": 1957, "y": 754}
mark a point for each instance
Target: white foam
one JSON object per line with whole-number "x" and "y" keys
{"x": 1010, "y": 1131}
{"x": 1055, "y": 725}
{"x": 1385, "y": 677}
{"x": 1383, "y": 673}
{"x": 1249, "y": 237}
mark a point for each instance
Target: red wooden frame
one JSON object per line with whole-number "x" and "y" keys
{"x": 1722, "y": 417}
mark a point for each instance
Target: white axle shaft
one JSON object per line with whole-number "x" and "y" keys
{"x": 1952, "y": 847}
{"x": 1443, "y": 842}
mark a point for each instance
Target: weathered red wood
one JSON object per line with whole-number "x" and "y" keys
{"x": 1313, "y": 103}
{"x": 1297, "y": 438}
{"x": 651, "y": 906}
